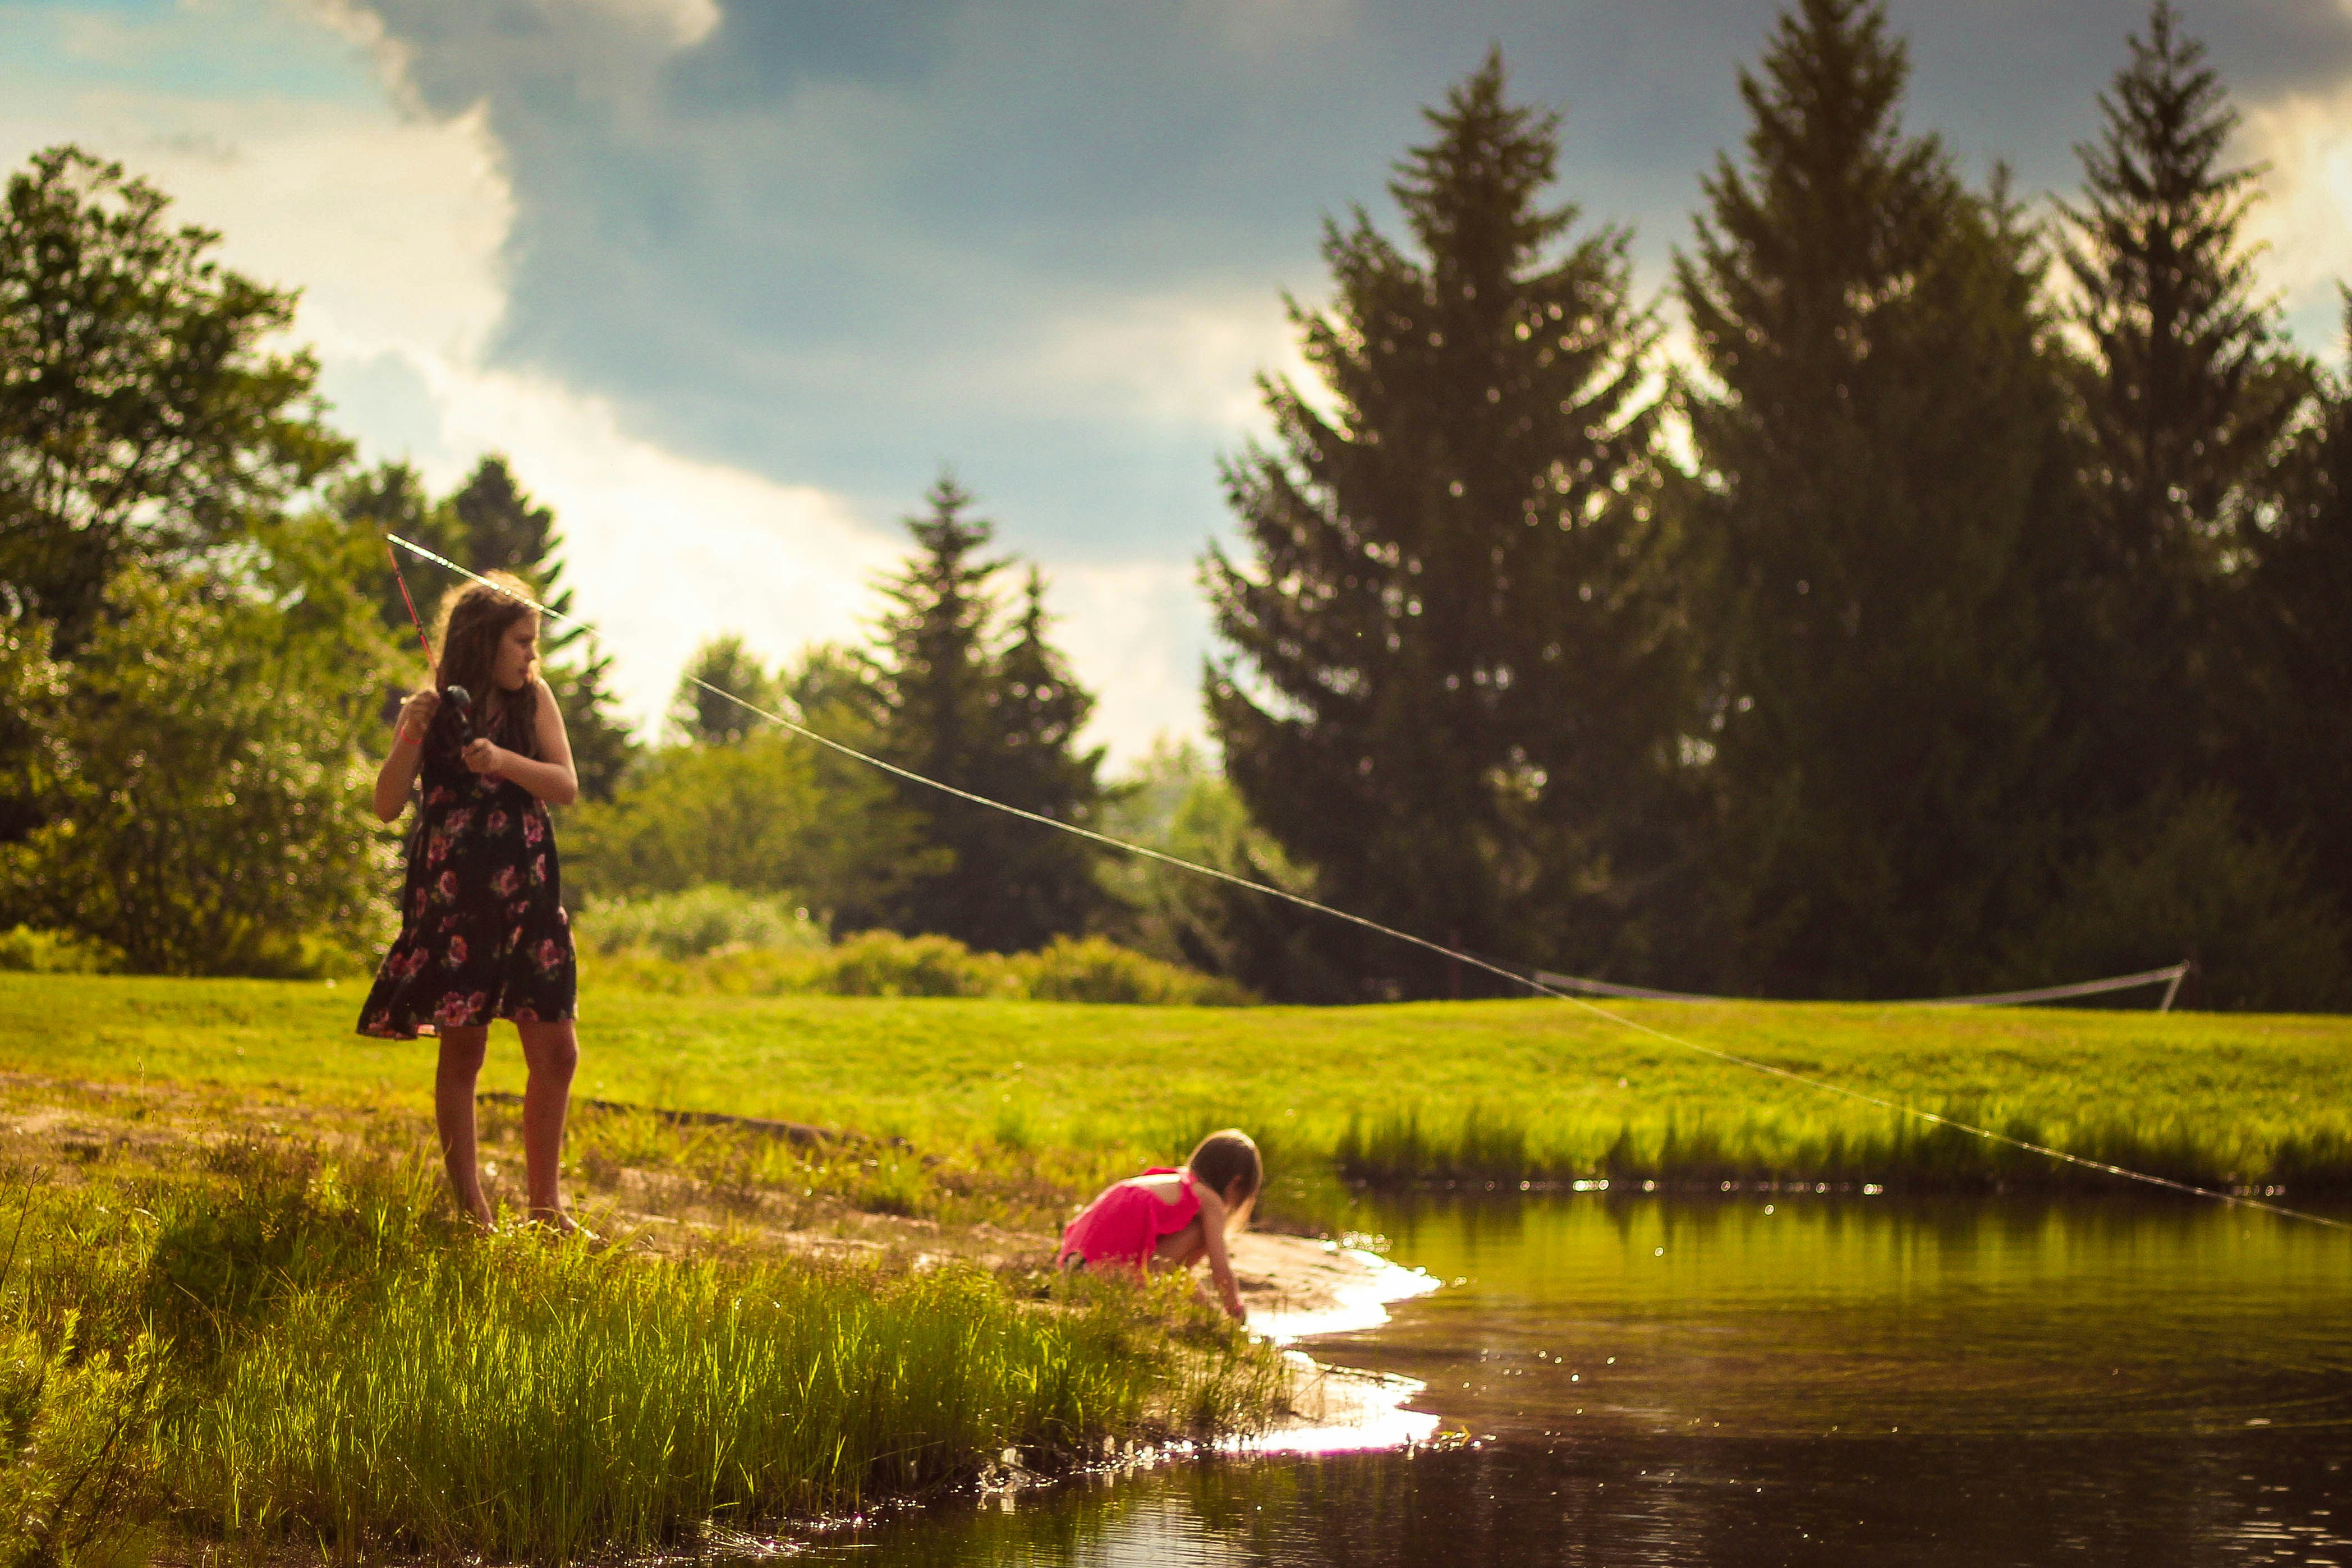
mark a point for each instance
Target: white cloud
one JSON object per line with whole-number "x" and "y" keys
{"x": 1186, "y": 358}
{"x": 1134, "y": 634}
{"x": 2306, "y": 220}
{"x": 666, "y": 553}
{"x": 394, "y": 225}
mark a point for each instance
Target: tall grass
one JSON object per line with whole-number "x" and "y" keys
{"x": 1408, "y": 1147}
{"x": 277, "y": 1348}
{"x": 538, "y": 1401}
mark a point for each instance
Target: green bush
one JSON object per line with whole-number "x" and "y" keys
{"x": 1097, "y": 970}
{"x": 26, "y": 950}
{"x": 884, "y": 963}
{"x": 198, "y": 822}
{"x": 699, "y": 921}
{"x": 2190, "y": 875}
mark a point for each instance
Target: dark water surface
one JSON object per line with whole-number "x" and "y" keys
{"x": 1770, "y": 1378}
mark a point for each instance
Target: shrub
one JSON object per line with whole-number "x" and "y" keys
{"x": 26, "y": 950}
{"x": 884, "y": 963}
{"x": 1097, "y": 970}
{"x": 2191, "y": 874}
{"x": 702, "y": 920}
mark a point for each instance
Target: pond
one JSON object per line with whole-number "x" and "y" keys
{"x": 1769, "y": 1377}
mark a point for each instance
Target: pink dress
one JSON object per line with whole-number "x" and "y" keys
{"x": 1125, "y": 1223}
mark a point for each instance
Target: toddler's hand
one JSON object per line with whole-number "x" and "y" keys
{"x": 483, "y": 757}
{"x": 416, "y": 715}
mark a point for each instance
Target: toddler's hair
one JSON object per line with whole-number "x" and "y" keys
{"x": 1222, "y": 1158}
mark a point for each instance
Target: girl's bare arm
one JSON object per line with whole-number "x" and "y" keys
{"x": 1221, "y": 1266}
{"x": 394, "y": 780}
{"x": 551, "y": 778}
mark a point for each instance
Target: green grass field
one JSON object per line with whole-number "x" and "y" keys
{"x": 1535, "y": 1089}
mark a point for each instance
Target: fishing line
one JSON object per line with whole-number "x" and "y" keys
{"x": 1367, "y": 924}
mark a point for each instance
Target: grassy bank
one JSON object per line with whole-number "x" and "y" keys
{"x": 1047, "y": 1098}
{"x": 226, "y": 1318}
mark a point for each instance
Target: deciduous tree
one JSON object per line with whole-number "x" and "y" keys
{"x": 144, "y": 419}
{"x": 199, "y": 822}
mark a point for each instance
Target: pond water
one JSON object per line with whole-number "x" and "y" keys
{"x": 1754, "y": 1378}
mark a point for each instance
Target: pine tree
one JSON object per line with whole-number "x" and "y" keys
{"x": 2292, "y": 689}
{"x": 1878, "y": 431}
{"x": 391, "y": 498}
{"x": 1047, "y": 885}
{"x": 1455, "y": 681}
{"x": 932, "y": 686}
{"x": 703, "y": 717}
{"x": 2185, "y": 399}
{"x": 952, "y": 707}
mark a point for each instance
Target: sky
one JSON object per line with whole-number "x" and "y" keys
{"x": 732, "y": 282}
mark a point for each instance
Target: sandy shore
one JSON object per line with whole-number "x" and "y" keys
{"x": 1296, "y": 1286}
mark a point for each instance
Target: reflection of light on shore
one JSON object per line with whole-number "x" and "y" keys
{"x": 1341, "y": 1410}
{"x": 1357, "y": 1411}
{"x": 1355, "y": 1306}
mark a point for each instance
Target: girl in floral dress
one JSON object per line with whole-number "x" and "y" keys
{"x": 483, "y": 934}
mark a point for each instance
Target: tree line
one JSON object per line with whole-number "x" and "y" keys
{"x": 1968, "y": 610}
{"x": 204, "y": 634}
{"x": 1965, "y": 608}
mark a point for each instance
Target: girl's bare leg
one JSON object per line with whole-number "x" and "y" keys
{"x": 453, "y": 1112}
{"x": 552, "y": 1052}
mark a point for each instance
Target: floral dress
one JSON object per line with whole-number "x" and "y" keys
{"x": 483, "y": 934}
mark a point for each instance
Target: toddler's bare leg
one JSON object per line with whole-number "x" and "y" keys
{"x": 453, "y": 1112}
{"x": 551, "y": 1051}
{"x": 1181, "y": 1249}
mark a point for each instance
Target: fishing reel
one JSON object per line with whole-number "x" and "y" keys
{"x": 462, "y": 701}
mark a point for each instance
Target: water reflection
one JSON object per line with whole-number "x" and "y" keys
{"x": 1652, "y": 1381}
{"x": 1790, "y": 1316}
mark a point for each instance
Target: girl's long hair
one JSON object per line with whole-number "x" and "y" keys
{"x": 473, "y": 619}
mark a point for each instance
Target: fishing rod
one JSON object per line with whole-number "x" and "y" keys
{"x": 459, "y": 697}
{"x": 1515, "y": 977}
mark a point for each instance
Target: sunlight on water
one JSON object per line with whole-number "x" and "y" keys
{"x": 1822, "y": 1379}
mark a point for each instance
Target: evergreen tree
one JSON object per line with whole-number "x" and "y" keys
{"x": 2184, "y": 402}
{"x": 1047, "y": 886}
{"x": 950, "y": 708}
{"x": 1454, "y": 682}
{"x": 700, "y": 716}
{"x": 2293, "y": 691}
{"x": 930, "y": 684}
{"x": 505, "y": 530}
{"x": 391, "y": 498}
{"x": 1879, "y": 433}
